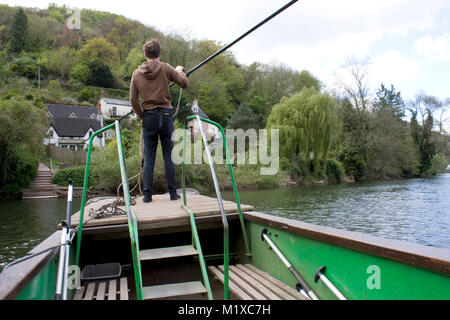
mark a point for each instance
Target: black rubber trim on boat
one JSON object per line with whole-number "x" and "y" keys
{"x": 319, "y": 272}
{"x": 263, "y": 233}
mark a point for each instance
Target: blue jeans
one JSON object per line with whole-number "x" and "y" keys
{"x": 158, "y": 122}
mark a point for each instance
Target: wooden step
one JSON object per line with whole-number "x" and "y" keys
{"x": 165, "y": 253}
{"x": 173, "y": 290}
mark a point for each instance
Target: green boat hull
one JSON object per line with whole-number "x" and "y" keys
{"x": 361, "y": 267}
{"x": 358, "y": 274}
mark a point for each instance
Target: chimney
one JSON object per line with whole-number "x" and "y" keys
{"x": 99, "y": 103}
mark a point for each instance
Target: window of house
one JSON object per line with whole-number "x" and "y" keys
{"x": 114, "y": 112}
{"x": 72, "y": 147}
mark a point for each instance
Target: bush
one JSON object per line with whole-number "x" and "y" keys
{"x": 24, "y": 66}
{"x": 62, "y": 177}
{"x": 85, "y": 95}
{"x": 335, "y": 171}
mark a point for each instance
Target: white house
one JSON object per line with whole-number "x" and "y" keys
{"x": 211, "y": 132}
{"x": 114, "y": 108}
{"x": 71, "y": 127}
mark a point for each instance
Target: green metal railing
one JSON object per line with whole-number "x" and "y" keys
{"x": 132, "y": 220}
{"x": 218, "y": 193}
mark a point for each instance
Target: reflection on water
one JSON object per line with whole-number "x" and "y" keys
{"x": 415, "y": 210}
{"x": 24, "y": 224}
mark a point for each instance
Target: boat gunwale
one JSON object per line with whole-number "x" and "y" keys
{"x": 16, "y": 278}
{"x": 430, "y": 258}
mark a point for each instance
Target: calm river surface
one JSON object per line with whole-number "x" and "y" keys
{"x": 415, "y": 210}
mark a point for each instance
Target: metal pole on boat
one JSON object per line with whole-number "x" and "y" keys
{"x": 68, "y": 221}
{"x": 63, "y": 256}
{"x": 226, "y": 257}
{"x": 302, "y": 286}
{"x": 320, "y": 275}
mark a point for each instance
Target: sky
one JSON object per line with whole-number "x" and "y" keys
{"x": 406, "y": 42}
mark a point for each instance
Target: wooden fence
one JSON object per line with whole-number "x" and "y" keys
{"x": 68, "y": 157}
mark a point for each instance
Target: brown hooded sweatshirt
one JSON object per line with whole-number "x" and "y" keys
{"x": 151, "y": 81}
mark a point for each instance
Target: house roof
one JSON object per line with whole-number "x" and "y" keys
{"x": 65, "y": 111}
{"x": 117, "y": 102}
{"x": 66, "y": 127}
{"x": 198, "y": 111}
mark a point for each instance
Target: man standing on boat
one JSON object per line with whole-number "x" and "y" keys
{"x": 151, "y": 82}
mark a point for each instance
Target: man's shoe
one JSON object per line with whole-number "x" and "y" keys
{"x": 147, "y": 199}
{"x": 175, "y": 197}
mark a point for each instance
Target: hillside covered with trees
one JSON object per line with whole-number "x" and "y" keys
{"x": 324, "y": 135}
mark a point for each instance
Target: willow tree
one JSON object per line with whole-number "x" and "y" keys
{"x": 305, "y": 121}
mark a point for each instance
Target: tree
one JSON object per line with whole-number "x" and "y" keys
{"x": 100, "y": 75}
{"x": 390, "y": 101}
{"x": 422, "y": 129}
{"x": 306, "y": 80}
{"x": 352, "y": 153}
{"x": 122, "y": 35}
{"x": 391, "y": 151}
{"x": 98, "y": 49}
{"x": 22, "y": 128}
{"x": 244, "y": 118}
{"x": 135, "y": 58}
{"x": 305, "y": 121}
{"x": 19, "y": 32}
{"x": 356, "y": 90}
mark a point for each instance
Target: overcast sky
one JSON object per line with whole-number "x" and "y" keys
{"x": 406, "y": 41}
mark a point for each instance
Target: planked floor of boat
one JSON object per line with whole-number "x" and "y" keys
{"x": 160, "y": 210}
{"x": 249, "y": 283}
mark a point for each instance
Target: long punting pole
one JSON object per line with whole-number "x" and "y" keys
{"x": 239, "y": 39}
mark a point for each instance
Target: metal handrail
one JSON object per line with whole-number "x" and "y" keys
{"x": 218, "y": 193}
{"x": 132, "y": 221}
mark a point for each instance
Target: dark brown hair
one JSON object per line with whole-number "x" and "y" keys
{"x": 152, "y": 49}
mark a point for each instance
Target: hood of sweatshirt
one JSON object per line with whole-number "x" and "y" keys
{"x": 150, "y": 69}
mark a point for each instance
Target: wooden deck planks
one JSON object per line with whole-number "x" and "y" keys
{"x": 255, "y": 284}
{"x": 97, "y": 291}
{"x": 233, "y": 287}
{"x": 280, "y": 293}
{"x": 90, "y": 292}
{"x": 161, "y": 210}
{"x": 112, "y": 292}
{"x": 123, "y": 289}
{"x": 249, "y": 283}
{"x": 101, "y": 291}
{"x": 244, "y": 285}
{"x": 79, "y": 294}
{"x": 276, "y": 282}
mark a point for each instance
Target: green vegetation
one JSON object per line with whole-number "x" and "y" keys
{"x": 22, "y": 128}
{"x": 62, "y": 177}
{"x": 324, "y": 135}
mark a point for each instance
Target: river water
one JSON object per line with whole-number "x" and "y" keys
{"x": 416, "y": 210}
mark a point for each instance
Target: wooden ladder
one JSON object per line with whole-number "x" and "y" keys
{"x": 174, "y": 289}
